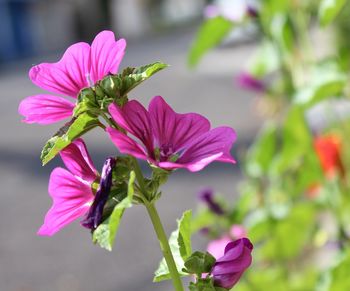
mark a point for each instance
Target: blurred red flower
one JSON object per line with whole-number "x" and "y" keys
{"x": 328, "y": 150}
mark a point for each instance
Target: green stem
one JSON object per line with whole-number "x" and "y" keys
{"x": 108, "y": 120}
{"x": 164, "y": 245}
{"x": 139, "y": 176}
{"x": 158, "y": 227}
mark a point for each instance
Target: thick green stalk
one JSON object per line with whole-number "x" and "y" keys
{"x": 164, "y": 245}
{"x": 158, "y": 227}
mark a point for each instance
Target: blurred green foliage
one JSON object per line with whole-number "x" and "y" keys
{"x": 294, "y": 202}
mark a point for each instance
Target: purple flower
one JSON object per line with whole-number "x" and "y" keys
{"x": 94, "y": 216}
{"x": 252, "y": 11}
{"x": 207, "y": 196}
{"x": 168, "y": 139}
{"x": 81, "y": 66}
{"x": 71, "y": 190}
{"x": 236, "y": 259}
{"x": 247, "y": 81}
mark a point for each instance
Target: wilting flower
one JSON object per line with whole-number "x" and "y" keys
{"x": 207, "y": 196}
{"x": 81, "y": 66}
{"x": 236, "y": 259}
{"x": 248, "y": 81}
{"x": 328, "y": 150}
{"x": 71, "y": 190}
{"x": 216, "y": 247}
{"x": 170, "y": 140}
{"x": 94, "y": 216}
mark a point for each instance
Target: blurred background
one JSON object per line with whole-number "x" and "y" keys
{"x": 35, "y": 31}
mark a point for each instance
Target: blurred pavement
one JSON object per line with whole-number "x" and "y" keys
{"x": 69, "y": 261}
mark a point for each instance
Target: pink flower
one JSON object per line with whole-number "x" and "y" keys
{"x": 237, "y": 231}
{"x": 168, "y": 139}
{"x": 216, "y": 247}
{"x": 71, "y": 190}
{"x": 81, "y": 66}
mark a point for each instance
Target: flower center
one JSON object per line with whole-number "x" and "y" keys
{"x": 165, "y": 151}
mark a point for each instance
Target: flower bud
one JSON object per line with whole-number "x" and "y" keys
{"x": 248, "y": 81}
{"x": 236, "y": 259}
{"x": 252, "y": 11}
{"x": 207, "y": 196}
{"x": 94, "y": 216}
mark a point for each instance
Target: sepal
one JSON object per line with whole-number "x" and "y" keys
{"x": 199, "y": 263}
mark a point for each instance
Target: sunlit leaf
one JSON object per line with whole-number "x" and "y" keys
{"x": 68, "y": 133}
{"x": 329, "y": 9}
{"x": 210, "y": 34}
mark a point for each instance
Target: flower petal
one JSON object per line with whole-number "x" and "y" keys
{"x": 69, "y": 75}
{"x": 217, "y": 247}
{"x": 71, "y": 199}
{"x": 106, "y": 55}
{"x": 45, "y": 109}
{"x": 78, "y": 161}
{"x": 213, "y": 145}
{"x": 171, "y": 128}
{"x": 125, "y": 144}
{"x": 94, "y": 216}
{"x": 134, "y": 118}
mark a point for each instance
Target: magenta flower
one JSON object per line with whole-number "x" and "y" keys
{"x": 81, "y": 66}
{"x": 168, "y": 139}
{"x": 229, "y": 268}
{"x": 248, "y": 81}
{"x": 71, "y": 190}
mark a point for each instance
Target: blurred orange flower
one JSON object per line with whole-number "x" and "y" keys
{"x": 328, "y": 150}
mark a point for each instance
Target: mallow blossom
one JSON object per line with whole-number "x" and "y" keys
{"x": 229, "y": 268}
{"x": 81, "y": 66}
{"x": 71, "y": 190}
{"x": 168, "y": 139}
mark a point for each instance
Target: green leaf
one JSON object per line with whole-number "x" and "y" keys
{"x": 180, "y": 245}
{"x": 262, "y": 152}
{"x": 328, "y": 10}
{"x": 131, "y": 77}
{"x": 340, "y": 274}
{"x": 68, "y": 133}
{"x": 291, "y": 234}
{"x": 326, "y": 82}
{"x": 264, "y": 60}
{"x": 199, "y": 263}
{"x": 105, "y": 233}
{"x": 210, "y": 34}
{"x": 282, "y": 32}
{"x": 295, "y": 132}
